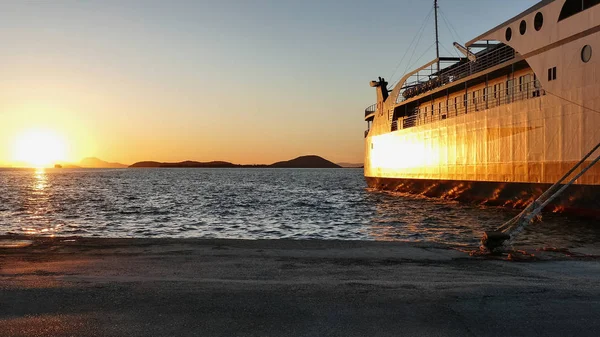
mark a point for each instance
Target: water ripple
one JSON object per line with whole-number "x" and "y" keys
{"x": 250, "y": 204}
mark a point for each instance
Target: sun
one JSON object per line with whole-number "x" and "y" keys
{"x": 39, "y": 148}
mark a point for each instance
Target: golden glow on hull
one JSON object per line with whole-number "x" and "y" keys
{"x": 392, "y": 152}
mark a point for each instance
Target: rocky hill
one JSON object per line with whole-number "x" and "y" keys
{"x": 187, "y": 163}
{"x": 93, "y": 162}
{"x": 306, "y": 162}
{"x": 300, "y": 162}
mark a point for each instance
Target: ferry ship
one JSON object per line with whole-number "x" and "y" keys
{"x": 502, "y": 122}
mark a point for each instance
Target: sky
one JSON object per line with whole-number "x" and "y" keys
{"x": 241, "y": 81}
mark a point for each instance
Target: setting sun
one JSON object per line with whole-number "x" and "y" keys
{"x": 39, "y": 148}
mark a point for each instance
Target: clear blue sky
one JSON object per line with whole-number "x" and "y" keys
{"x": 244, "y": 81}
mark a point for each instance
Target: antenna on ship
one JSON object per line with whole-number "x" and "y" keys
{"x": 437, "y": 40}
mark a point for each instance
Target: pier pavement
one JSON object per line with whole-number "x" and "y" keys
{"x": 193, "y": 287}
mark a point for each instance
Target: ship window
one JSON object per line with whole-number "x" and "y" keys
{"x": 521, "y": 83}
{"x": 551, "y": 74}
{"x": 508, "y": 34}
{"x": 509, "y": 88}
{"x": 526, "y": 84}
{"x": 572, "y": 7}
{"x": 586, "y": 53}
{"x": 523, "y": 27}
{"x": 589, "y": 3}
{"x": 538, "y": 21}
{"x": 536, "y": 86}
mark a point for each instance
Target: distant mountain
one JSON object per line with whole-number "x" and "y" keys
{"x": 92, "y": 162}
{"x": 187, "y": 163}
{"x": 300, "y": 162}
{"x": 306, "y": 162}
{"x": 151, "y": 164}
{"x": 351, "y": 165}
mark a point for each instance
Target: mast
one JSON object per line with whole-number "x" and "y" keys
{"x": 437, "y": 40}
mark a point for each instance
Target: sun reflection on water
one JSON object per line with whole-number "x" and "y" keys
{"x": 40, "y": 179}
{"x": 38, "y": 205}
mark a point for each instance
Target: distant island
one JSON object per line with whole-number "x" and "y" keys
{"x": 310, "y": 161}
{"x": 90, "y": 162}
{"x": 306, "y": 162}
{"x": 187, "y": 163}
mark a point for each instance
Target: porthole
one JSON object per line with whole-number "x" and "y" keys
{"x": 538, "y": 21}
{"x": 586, "y": 53}
{"x": 508, "y": 34}
{"x": 523, "y": 27}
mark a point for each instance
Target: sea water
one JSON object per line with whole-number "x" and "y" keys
{"x": 322, "y": 204}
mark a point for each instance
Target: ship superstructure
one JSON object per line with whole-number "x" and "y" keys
{"x": 502, "y": 123}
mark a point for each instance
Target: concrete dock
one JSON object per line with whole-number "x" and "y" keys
{"x": 174, "y": 287}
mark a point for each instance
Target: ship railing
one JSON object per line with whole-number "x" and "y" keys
{"x": 485, "y": 98}
{"x": 423, "y": 80}
{"x": 370, "y": 109}
{"x": 454, "y": 73}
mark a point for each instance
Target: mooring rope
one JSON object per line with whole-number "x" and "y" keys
{"x": 524, "y": 219}
{"x": 549, "y": 192}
